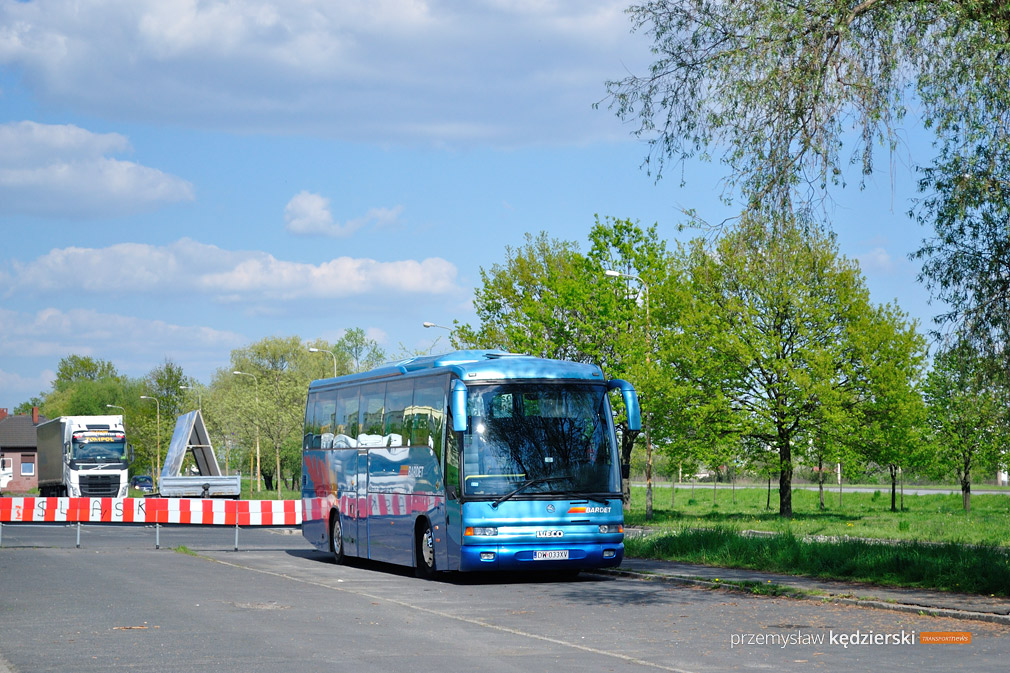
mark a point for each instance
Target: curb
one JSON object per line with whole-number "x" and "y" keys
{"x": 991, "y": 617}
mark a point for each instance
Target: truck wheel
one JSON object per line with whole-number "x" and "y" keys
{"x": 424, "y": 551}
{"x": 336, "y": 538}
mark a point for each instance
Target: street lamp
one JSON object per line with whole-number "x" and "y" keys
{"x": 116, "y": 406}
{"x": 157, "y": 454}
{"x": 259, "y": 486}
{"x": 429, "y": 325}
{"x": 648, "y": 366}
{"x": 199, "y": 395}
{"x": 330, "y": 353}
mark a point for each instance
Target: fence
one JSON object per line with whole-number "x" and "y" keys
{"x": 156, "y": 511}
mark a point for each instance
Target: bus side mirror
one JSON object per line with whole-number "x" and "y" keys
{"x": 633, "y": 411}
{"x": 457, "y": 403}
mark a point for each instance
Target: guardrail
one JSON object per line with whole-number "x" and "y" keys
{"x": 157, "y": 511}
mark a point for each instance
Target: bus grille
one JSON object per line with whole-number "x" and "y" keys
{"x": 100, "y": 486}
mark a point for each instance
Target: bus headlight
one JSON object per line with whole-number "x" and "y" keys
{"x": 470, "y": 530}
{"x": 611, "y": 528}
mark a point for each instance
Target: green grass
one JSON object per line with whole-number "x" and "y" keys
{"x": 249, "y": 492}
{"x": 949, "y": 567}
{"x": 934, "y": 517}
{"x": 939, "y": 545}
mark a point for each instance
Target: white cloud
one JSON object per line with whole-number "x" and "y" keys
{"x": 309, "y": 214}
{"x": 189, "y": 266}
{"x": 53, "y": 332}
{"x": 877, "y": 259}
{"x": 435, "y": 71}
{"x": 269, "y": 277}
{"x": 63, "y": 171}
{"x": 25, "y": 387}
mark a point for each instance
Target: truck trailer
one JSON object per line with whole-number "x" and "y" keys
{"x": 83, "y": 456}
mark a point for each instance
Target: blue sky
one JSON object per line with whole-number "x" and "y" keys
{"x": 180, "y": 179}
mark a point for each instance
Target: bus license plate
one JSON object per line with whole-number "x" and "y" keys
{"x": 551, "y": 555}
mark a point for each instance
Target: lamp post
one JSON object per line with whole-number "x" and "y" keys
{"x": 429, "y": 325}
{"x": 116, "y": 406}
{"x": 259, "y": 486}
{"x": 157, "y": 453}
{"x": 199, "y": 395}
{"x": 330, "y": 353}
{"x": 648, "y": 367}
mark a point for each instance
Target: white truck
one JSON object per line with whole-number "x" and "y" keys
{"x": 83, "y": 456}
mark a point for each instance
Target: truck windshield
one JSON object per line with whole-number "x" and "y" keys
{"x": 99, "y": 445}
{"x": 546, "y": 438}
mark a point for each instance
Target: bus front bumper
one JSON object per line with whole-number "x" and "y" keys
{"x": 541, "y": 557}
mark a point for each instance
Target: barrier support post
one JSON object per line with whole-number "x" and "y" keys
{"x": 157, "y": 535}
{"x": 78, "y": 534}
{"x": 236, "y": 536}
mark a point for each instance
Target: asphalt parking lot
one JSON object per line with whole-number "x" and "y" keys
{"x": 198, "y": 605}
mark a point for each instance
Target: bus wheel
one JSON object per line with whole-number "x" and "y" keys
{"x": 336, "y": 538}
{"x": 425, "y": 552}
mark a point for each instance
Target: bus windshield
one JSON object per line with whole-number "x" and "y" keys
{"x": 543, "y": 438}
{"x": 99, "y": 445}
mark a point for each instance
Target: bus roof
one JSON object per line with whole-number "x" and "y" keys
{"x": 478, "y": 365}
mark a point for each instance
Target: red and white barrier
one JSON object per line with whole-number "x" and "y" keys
{"x": 152, "y": 510}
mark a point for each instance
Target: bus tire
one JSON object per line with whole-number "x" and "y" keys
{"x": 424, "y": 551}
{"x": 336, "y": 538}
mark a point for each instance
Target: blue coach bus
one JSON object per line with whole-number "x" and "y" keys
{"x": 472, "y": 460}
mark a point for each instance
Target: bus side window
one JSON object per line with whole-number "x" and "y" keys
{"x": 451, "y": 463}
{"x": 309, "y": 433}
{"x": 399, "y": 396}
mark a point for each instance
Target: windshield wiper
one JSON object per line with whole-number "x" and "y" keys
{"x": 526, "y": 484}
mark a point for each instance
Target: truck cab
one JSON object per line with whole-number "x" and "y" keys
{"x": 83, "y": 456}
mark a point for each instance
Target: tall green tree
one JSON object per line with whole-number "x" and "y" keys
{"x": 268, "y": 397}
{"x": 538, "y": 301}
{"x": 968, "y": 414}
{"x": 154, "y": 422}
{"x": 775, "y": 87}
{"x": 966, "y": 188}
{"x": 84, "y": 386}
{"x": 638, "y": 260}
{"x": 778, "y": 91}
{"x": 76, "y": 368}
{"x": 549, "y": 299}
{"x": 966, "y": 260}
{"x": 892, "y": 413}
{"x": 770, "y": 85}
{"x": 776, "y": 328}
{"x": 357, "y": 351}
